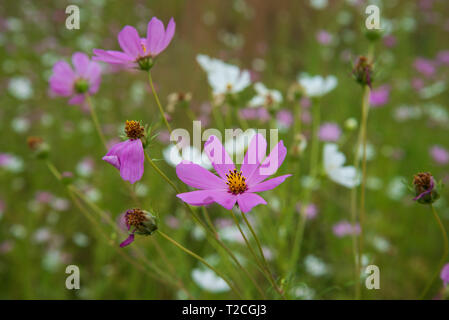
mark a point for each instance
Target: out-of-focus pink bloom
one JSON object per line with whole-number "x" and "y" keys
{"x": 223, "y": 223}
{"x": 439, "y": 154}
{"x": 443, "y": 57}
{"x": 164, "y": 136}
{"x": 139, "y": 52}
{"x": 305, "y": 102}
{"x": 323, "y": 37}
{"x": 345, "y": 228}
{"x": 128, "y": 157}
{"x": 330, "y": 132}
{"x": 172, "y": 222}
{"x": 43, "y": 197}
{"x": 380, "y": 96}
{"x": 233, "y": 186}
{"x": 445, "y": 274}
{"x": 310, "y": 210}
{"x": 417, "y": 84}
{"x": 284, "y": 118}
{"x": 260, "y": 114}
{"x": 389, "y": 41}
{"x": 84, "y": 78}
{"x": 6, "y": 246}
{"x": 424, "y": 66}
{"x": 306, "y": 117}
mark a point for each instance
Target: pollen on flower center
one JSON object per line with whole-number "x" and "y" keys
{"x": 135, "y": 217}
{"x": 134, "y": 130}
{"x": 236, "y": 182}
{"x": 229, "y": 87}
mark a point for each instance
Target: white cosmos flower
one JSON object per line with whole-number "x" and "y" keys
{"x": 334, "y": 162}
{"x": 317, "y": 86}
{"x": 209, "y": 281}
{"x": 315, "y": 266}
{"x": 265, "y": 96}
{"x": 21, "y": 88}
{"x": 223, "y": 77}
{"x": 173, "y": 156}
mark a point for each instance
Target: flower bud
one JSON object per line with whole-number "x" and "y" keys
{"x": 425, "y": 191}
{"x": 373, "y": 35}
{"x": 145, "y": 63}
{"x": 39, "y": 147}
{"x": 142, "y": 222}
{"x": 363, "y": 71}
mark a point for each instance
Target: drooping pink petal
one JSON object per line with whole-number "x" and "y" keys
{"x": 248, "y": 200}
{"x": 112, "y": 156}
{"x": 77, "y": 99}
{"x": 205, "y": 197}
{"x": 131, "y": 161}
{"x": 127, "y": 241}
{"x": 198, "y": 177}
{"x": 269, "y": 166}
{"x": 169, "y": 33}
{"x": 81, "y": 63}
{"x": 155, "y": 36}
{"x": 254, "y": 155}
{"x": 268, "y": 184}
{"x": 218, "y": 156}
{"x": 129, "y": 41}
{"x": 112, "y": 160}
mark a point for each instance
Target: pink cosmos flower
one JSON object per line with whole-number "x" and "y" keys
{"x": 345, "y": 228}
{"x": 424, "y": 66}
{"x": 233, "y": 186}
{"x": 380, "y": 96}
{"x": 445, "y": 274}
{"x": 128, "y": 156}
{"x": 439, "y": 154}
{"x": 139, "y": 52}
{"x": 323, "y": 37}
{"x": 329, "y": 132}
{"x": 260, "y": 114}
{"x": 84, "y": 79}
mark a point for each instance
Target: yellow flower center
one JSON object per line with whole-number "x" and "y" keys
{"x": 144, "y": 48}
{"x": 236, "y": 182}
{"x": 229, "y": 87}
{"x": 134, "y": 130}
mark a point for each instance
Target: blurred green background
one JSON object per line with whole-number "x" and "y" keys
{"x": 42, "y": 231}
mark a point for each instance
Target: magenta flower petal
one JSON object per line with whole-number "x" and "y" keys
{"x": 111, "y": 56}
{"x": 62, "y": 79}
{"x": 197, "y": 198}
{"x": 269, "y": 166}
{"x": 169, "y": 33}
{"x": 254, "y": 155}
{"x": 218, "y": 156}
{"x": 81, "y": 63}
{"x": 128, "y": 157}
{"x": 131, "y": 161}
{"x": 155, "y": 36}
{"x": 93, "y": 74}
{"x": 269, "y": 184}
{"x": 248, "y": 200}
{"x": 77, "y": 99}
{"x": 198, "y": 177}
{"x": 129, "y": 41}
{"x": 127, "y": 241}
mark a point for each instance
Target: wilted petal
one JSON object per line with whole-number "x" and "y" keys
{"x": 127, "y": 241}
{"x": 131, "y": 161}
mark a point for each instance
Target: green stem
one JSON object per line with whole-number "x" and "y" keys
{"x": 201, "y": 260}
{"x": 161, "y": 110}
{"x": 273, "y": 281}
{"x": 94, "y": 116}
{"x": 363, "y": 130}
{"x": 445, "y": 253}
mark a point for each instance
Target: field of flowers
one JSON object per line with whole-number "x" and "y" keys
{"x": 235, "y": 149}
